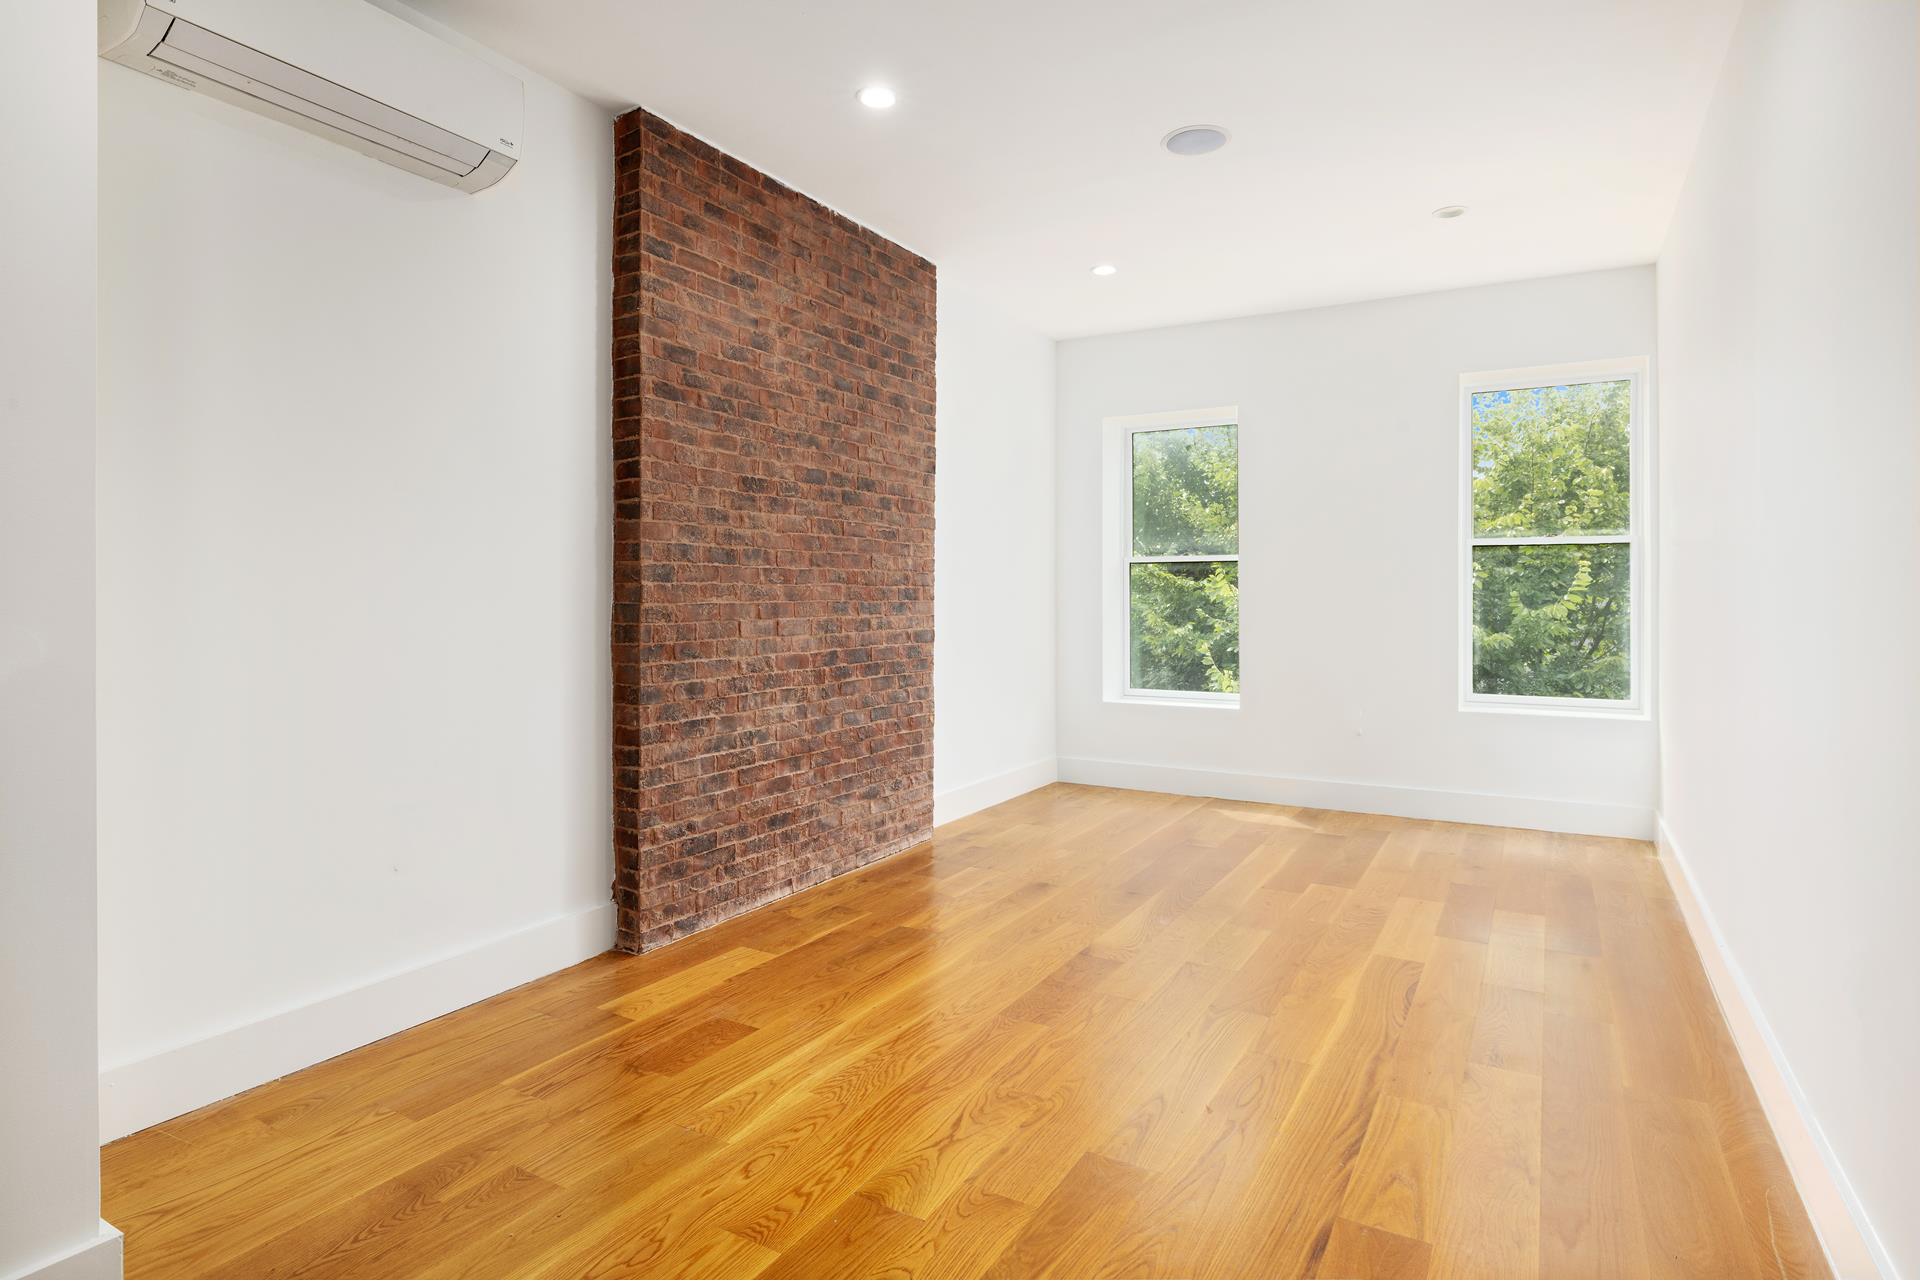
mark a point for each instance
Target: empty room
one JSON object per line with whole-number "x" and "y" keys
{"x": 977, "y": 638}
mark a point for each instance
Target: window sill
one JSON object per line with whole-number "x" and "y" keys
{"x": 1548, "y": 707}
{"x": 1150, "y": 700}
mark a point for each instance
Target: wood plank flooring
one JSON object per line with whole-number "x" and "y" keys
{"x": 1086, "y": 1033}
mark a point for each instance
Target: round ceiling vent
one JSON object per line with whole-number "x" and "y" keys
{"x": 1195, "y": 140}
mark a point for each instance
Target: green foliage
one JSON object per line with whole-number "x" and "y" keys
{"x": 1547, "y": 620}
{"x": 1184, "y": 626}
{"x": 1186, "y": 492}
{"x": 1551, "y": 460}
{"x": 1552, "y": 620}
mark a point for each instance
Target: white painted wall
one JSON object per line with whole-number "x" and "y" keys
{"x": 1789, "y": 308}
{"x": 993, "y": 669}
{"x": 1350, "y": 457}
{"x": 49, "y": 1165}
{"x": 354, "y": 532}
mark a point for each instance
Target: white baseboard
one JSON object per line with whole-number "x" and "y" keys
{"x": 148, "y": 1090}
{"x": 970, "y": 798}
{"x": 1587, "y": 818}
{"x": 99, "y": 1258}
{"x": 1853, "y": 1247}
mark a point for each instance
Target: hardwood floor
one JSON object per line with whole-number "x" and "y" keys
{"x": 1086, "y": 1033}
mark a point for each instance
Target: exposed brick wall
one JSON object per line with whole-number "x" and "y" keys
{"x": 773, "y": 538}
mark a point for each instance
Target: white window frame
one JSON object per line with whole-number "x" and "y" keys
{"x": 1118, "y": 542}
{"x": 1638, "y": 539}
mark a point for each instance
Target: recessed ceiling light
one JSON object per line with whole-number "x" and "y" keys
{"x": 879, "y": 97}
{"x": 1449, "y": 211}
{"x": 1105, "y": 269}
{"x": 1195, "y": 140}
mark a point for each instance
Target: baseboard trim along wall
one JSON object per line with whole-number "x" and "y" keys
{"x": 145, "y": 1091}
{"x": 1586, "y": 818}
{"x": 971, "y": 798}
{"x": 100, "y": 1256}
{"x": 1853, "y": 1247}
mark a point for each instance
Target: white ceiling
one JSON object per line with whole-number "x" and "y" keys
{"x": 1025, "y": 146}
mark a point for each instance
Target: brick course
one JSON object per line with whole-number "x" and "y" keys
{"x": 773, "y": 449}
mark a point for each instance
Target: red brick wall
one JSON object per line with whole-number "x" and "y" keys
{"x": 773, "y": 538}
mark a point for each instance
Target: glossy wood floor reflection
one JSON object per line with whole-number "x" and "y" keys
{"x": 1086, "y": 1033}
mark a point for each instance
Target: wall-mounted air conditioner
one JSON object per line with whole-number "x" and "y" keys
{"x": 340, "y": 68}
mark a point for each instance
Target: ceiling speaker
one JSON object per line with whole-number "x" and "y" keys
{"x": 1195, "y": 140}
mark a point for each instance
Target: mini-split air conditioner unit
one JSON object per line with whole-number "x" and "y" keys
{"x": 340, "y": 68}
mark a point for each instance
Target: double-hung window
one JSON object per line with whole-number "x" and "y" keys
{"x": 1174, "y": 600}
{"x": 1552, "y": 558}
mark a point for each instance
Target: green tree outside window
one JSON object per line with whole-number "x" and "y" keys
{"x": 1183, "y": 576}
{"x": 1552, "y": 619}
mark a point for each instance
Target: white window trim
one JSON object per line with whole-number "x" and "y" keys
{"x": 1639, "y": 539}
{"x": 1117, "y": 541}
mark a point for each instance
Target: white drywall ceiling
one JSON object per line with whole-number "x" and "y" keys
{"x": 1025, "y": 147}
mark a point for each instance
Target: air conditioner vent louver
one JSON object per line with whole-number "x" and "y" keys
{"x": 338, "y": 68}
{"x": 198, "y": 50}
